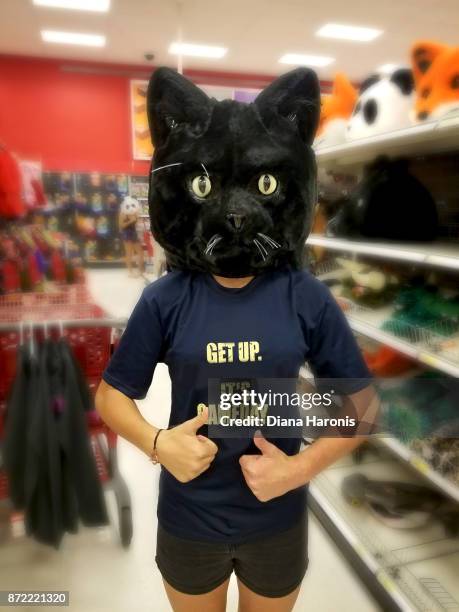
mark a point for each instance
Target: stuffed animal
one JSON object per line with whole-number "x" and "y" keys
{"x": 384, "y": 104}
{"x": 401, "y": 505}
{"x": 362, "y": 283}
{"x": 130, "y": 206}
{"x": 233, "y": 185}
{"x": 389, "y": 203}
{"x": 436, "y": 74}
{"x": 336, "y": 108}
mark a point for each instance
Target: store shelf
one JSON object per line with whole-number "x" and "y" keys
{"x": 399, "y": 562}
{"x": 104, "y": 263}
{"x": 428, "y": 254}
{"x": 367, "y": 322}
{"x": 426, "y": 138}
{"x": 421, "y": 466}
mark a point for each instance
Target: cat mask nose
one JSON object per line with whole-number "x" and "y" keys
{"x": 236, "y": 221}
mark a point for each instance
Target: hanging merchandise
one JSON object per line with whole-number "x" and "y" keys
{"x": 336, "y": 109}
{"x": 389, "y": 203}
{"x": 85, "y": 206}
{"x": 47, "y": 455}
{"x": 384, "y": 104}
{"x": 32, "y": 187}
{"x": 401, "y": 505}
{"x": 30, "y": 257}
{"x": 436, "y": 74}
{"x": 11, "y": 202}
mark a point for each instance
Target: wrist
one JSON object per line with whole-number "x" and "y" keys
{"x": 299, "y": 470}
{"x": 154, "y": 455}
{"x": 147, "y": 440}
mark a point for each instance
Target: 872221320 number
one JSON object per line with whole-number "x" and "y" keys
{"x": 34, "y": 598}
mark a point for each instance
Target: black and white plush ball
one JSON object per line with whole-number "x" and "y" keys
{"x": 385, "y": 103}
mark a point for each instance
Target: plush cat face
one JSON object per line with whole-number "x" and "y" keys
{"x": 233, "y": 185}
{"x": 335, "y": 111}
{"x": 436, "y": 73}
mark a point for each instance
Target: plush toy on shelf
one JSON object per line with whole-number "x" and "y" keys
{"x": 336, "y": 108}
{"x": 436, "y": 75}
{"x": 385, "y": 103}
{"x": 389, "y": 203}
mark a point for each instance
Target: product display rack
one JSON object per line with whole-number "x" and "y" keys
{"x": 367, "y": 321}
{"x": 405, "y": 570}
{"x": 420, "y": 466}
{"x": 436, "y": 254}
{"x": 430, "y": 137}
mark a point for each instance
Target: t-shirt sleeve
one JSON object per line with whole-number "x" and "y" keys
{"x": 333, "y": 349}
{"x": 133, "y": 363}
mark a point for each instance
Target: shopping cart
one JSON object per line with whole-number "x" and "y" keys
{"x": 89, "y": 332}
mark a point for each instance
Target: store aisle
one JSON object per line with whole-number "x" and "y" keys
{"x": 100, "y": 575}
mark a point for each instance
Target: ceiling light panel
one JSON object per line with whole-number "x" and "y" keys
{"x": 73, "y": 38}
{"x": 182, "y": 48}
{"x": 95, "y": 6}
{"x": 297, "y": 59}
{"x": 348, "y": 32}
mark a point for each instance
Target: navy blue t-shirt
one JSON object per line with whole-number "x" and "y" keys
{"x": 292, "y": 317}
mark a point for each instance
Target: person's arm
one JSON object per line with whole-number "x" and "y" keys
{"x": 123, "y": 417}
{"x": 334, "y": 355}
{"x": 274, "y": 473}
{"x": 180, "y": 450}
{"x": 128, "y": 377}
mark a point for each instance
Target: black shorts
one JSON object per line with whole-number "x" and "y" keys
{"x": 272, "y": 565}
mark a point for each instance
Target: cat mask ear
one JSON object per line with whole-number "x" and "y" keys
{"x": 173, "y": 101}
{"x": 295, "y": 96}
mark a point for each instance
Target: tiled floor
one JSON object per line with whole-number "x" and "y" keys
{"x": 101, "y": 576}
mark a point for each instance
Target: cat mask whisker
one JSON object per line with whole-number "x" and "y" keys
{"x": 205, "y": 170}
{"x": 260, "y": 247}
{"x": 212, "y": 243}
{"x": 168, "y": 166}
{"x": 268, "y": 240}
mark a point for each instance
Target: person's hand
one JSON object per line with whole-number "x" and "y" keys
{"x": 270, "y": 474}
{"x": 184, "y": 453}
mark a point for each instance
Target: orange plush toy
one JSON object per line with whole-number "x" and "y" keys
{"x": 336, "y": 109}
{"x": 436, "y": 74}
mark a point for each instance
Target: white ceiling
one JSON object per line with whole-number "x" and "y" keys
{"x": 256, "y": 32}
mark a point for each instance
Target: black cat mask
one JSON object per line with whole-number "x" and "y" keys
{"x": 232, "y": 185}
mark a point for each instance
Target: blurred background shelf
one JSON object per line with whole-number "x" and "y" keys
{"x": 426, "y": 138}
{"x": 434, "y": 254}
{"x": 397, "y": 565}
{"x": 417, "y": 463}
{"x": 367, "y": 322}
